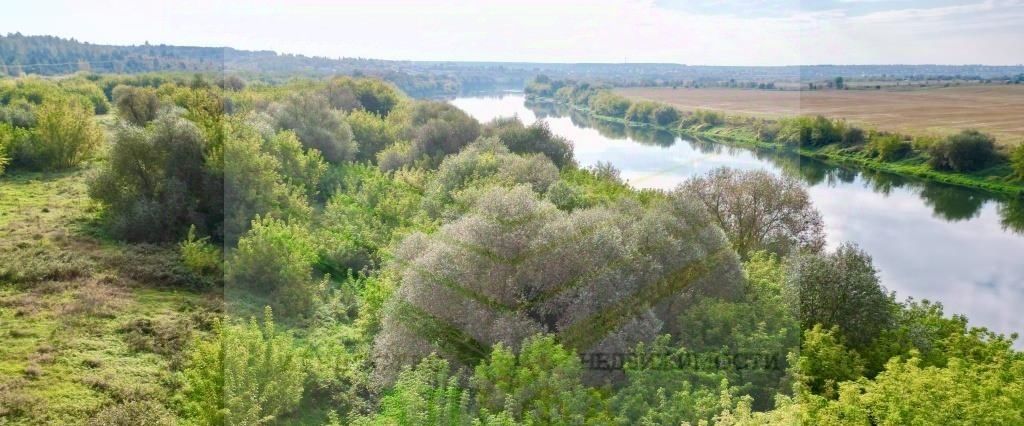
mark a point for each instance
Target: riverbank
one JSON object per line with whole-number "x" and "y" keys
{"x": 913, "y": 166}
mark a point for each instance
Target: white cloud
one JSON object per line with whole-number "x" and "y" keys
{"x": 548, "y": 31}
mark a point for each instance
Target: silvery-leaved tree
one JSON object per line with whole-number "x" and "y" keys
{"x": 600, "y": 279}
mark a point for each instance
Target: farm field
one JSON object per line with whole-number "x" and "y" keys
{"x": 995, "y": 109}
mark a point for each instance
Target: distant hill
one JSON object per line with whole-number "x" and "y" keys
{"x": 48, "y": 55}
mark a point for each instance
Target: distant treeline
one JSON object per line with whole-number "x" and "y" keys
{"x": 48, "y": 55}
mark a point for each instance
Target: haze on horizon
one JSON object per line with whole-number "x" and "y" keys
{"x": 695, "y": 32}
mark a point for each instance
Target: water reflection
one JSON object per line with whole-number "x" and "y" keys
{"x": 930, "y": 241}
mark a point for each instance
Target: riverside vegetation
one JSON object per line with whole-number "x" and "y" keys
{"x": 206, "y": 250}
{"x": 969, "y": 158}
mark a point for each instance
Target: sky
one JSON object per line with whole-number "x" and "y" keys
{"x": 695, "y": 32}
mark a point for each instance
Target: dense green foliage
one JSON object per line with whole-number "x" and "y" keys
{"x": 966, "y": 151}
{"x": 473, "y": 275}
{"x": 243, "y": 375}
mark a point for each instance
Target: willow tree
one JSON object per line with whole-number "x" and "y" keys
{"x": 600, "y": 279}
{"x": 758, "y": 210}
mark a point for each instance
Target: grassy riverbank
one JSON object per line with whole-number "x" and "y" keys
{"x": 739, "y": 131}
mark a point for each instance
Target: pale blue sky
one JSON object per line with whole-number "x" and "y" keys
{"x": 713, "y": 32}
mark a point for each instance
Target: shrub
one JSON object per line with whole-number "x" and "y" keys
{"x": 641, "y": 112}
{"x": 64, "y": 136}
{"x": 824, "y": 361}
{"x": 317, "y": 125}
{"x": 18, "y": 113}
{"x": 298, "y": 168}
{"x": 542, "y": 383}
{"x": 1017, "y": 160}
{"x": 966, "y": 151}
{"x": 145, "y": 412}
{"x": 275, "y": 260}
{"x": 7, "y": 140}
{"x": 254, "y": 180}
{"x": 199, "y": 256}
{"x": 664, "y": 115}
{"x": 137, "y": 105}
{"x": 371, "y": 133}
{"x": 888, "y": 147}
{"x": 486, "y": 162}
{"x": 428, "y": 394}
{"x": 246, "y": 374}
{"x": 396, "y": 157}
{"x": 536, "y": 138}
{"x": 811, "y": 131}
{"x": 759, "y": 211}
{"x": 609, "y": 104}
{"x": 156, "y": 183}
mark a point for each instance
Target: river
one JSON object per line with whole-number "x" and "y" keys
{"x": 960, "y": 247}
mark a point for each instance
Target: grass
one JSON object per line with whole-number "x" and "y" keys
{"x": 71, "y": 305}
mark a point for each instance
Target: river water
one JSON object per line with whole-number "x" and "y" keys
{"x": 960, "y": 247}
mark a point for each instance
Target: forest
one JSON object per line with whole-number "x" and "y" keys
{"x": 220, "y": 249}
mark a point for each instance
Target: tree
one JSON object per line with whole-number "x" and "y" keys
{"x": 536, "y": 138}
{"x": 64, "y": 136}
{"x": 371, "y": 133}
{"x": 156, "y": 182}
{"x": 137, "y": 105}
{"x": 758, "y": 210}
{"x": 246, "y": 374}
{"x": 601, "y": 279}
{"x": 317, "y": 125}
{"x": 839, "y": 289}
{"x": 966, "y": 151}
{"x": 485, "y": 162}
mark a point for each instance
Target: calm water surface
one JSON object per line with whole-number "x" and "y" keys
{"x": 960, "y": 247}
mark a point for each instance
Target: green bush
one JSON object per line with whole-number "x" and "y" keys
{"x": 244, "y": 375}
{"x": 199, "y": 256}
{"x": 641, "y": 112}
{"x": 275, "y": 260}
{"x": 64, "y": 136}
{"x": 824, "y": 361}
{"x": 486, "y": 162}
{"x": 136, "y": 105}
{"x": 7, "y": 138}
{"x": 371, "y": 133}
{"x": 317, "y": 125}
{"x": 609, "y": 104}
{"x": 1017, "y": 160}
{"x": 839, "y": 289}
{"x": 156, "y": 182}
{"x": 664, "y": 115}
{"x": 888, "y": 147}
{"x": 966, "y": 151}
{"x": 536, "y": 138}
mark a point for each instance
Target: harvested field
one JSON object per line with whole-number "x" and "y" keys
{"x": 996, "y": 109}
